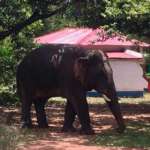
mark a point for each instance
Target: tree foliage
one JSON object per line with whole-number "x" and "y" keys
{"x": 22, "y": 13}
{"x": 17, "y": 14}
{"x": 130, "y": 15}
{"x": 22, "y": 20}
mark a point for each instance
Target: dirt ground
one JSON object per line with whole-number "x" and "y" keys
{"x": 52, "y": 138}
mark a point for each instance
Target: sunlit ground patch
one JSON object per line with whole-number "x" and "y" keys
{"x": 137, "y": 135}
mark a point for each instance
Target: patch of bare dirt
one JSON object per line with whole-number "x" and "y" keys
{"x": 101, "y": 118}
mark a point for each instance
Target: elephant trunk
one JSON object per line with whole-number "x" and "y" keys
{"x": 110, "y": 93}
{"x": 111, "y": 98}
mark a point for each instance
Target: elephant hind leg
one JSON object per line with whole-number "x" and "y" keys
{"x": 26, "y": 103}
{"x": 40, "y": 112}
{"x": 69, "y": 118}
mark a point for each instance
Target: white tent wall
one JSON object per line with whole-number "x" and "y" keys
{"x": 128, "y": 75}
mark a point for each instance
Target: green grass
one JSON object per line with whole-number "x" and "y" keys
{"x": 100, "y": 100}
{"x": 137, "y": 135}
{"x": 124, "y": 100}
{"x": 12, "y": 137}
{"x": 8, "y": 138}
{"x": 140, "y": 100}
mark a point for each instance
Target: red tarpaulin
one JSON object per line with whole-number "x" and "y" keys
{"x": 90, "y": 38}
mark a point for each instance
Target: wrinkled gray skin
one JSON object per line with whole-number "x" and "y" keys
{"x": 69, "y": 72}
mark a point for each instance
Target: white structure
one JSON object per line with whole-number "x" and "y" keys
{"x": 128, "y": 73}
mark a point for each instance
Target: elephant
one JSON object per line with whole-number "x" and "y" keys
{"x": 53, "y": 70}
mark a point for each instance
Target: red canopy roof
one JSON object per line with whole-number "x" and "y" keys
{"x": 90, "y": 38}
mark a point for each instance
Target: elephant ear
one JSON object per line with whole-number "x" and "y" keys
{"x": 106, "y": 62}
{"x": 80, "y": 68}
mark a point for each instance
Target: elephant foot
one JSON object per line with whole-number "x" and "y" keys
{"x": 68, "y": 129}
{"x": 121, "y": 129}
{"x": 43, "y": 126}
{"x": 87, "y": 131}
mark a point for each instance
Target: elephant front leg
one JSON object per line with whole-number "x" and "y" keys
{"x": 69, "y": 118}
{"x": 81, "y": 107}
{"x": 115, "y": 109}
{"x": 40, "y": 112}
{"x": 83, "y": 114}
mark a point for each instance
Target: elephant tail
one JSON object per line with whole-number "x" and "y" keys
{"x": 18, "y": 85}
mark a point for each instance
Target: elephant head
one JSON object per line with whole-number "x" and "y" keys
{"x": 95, "y": 72}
